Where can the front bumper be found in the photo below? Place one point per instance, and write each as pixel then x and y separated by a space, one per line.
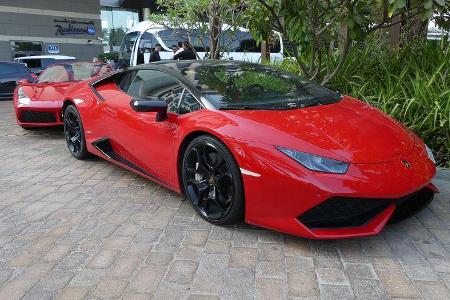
pixel 39 113
pixel 284 195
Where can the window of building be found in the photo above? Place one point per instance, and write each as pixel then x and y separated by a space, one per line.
pixel 115 23
pixel 25 48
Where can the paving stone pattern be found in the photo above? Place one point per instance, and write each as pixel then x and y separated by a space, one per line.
pixel 88 230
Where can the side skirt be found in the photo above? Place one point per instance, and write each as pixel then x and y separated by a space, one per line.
pixel 105 147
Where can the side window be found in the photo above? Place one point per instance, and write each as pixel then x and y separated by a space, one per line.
pixel 124 81
pixel 172 97
pixel 171 36
pixel 157 85
pixel 239 41
pixel 188 104
pixel 146 44
pixel 127 46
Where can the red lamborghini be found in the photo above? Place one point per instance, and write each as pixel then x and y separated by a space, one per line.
pixel 39 103
pixel 247 142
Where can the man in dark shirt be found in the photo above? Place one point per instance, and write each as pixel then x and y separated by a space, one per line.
pixel 186 54
pixel 154 56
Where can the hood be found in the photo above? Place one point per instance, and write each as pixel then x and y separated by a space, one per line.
pixel 349 128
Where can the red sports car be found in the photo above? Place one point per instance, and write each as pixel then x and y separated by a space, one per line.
pixel 39 103
pixel 247 142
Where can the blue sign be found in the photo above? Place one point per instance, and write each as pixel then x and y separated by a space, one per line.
pixel 91 30
pixel 53 49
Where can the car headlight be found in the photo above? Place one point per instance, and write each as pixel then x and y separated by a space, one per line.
pixel 22 97
pixel 315 162
pixel 430 154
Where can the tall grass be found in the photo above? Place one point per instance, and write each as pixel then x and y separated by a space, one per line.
pixel 411 84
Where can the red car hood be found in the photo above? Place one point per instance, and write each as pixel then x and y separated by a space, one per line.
pixel 350 129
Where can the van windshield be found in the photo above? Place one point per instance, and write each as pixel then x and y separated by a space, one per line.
pixel 127 46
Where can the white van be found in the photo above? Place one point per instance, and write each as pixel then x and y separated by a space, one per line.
pixel 138 41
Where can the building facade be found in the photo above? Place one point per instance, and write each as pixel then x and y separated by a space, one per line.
pixel 41 27
pixel 80 28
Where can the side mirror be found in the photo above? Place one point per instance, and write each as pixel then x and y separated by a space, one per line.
pixel 150 105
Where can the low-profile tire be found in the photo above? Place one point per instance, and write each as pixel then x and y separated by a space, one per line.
pixel 212 181
pixel 74 133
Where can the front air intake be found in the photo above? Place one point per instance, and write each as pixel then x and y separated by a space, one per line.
pixel 29 116
pixel 343 212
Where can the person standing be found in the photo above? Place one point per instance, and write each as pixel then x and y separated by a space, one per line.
pixel 174 49
pixel 154 56
pixel 179 48
pixel 186 54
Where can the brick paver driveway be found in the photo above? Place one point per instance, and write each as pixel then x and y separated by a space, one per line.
pixel 87 229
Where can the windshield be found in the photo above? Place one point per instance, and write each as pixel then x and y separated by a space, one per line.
pixel 252 86
pixel 127 46
pixel 72 72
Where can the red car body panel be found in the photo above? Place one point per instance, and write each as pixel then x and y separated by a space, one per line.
pixel 277 189
pixel 45 97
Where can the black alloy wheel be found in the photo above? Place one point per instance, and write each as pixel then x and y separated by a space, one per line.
pixel 212 181
pixel 74 133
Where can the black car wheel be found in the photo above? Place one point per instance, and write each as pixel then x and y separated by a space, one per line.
pixel 212 181
pixel 74 133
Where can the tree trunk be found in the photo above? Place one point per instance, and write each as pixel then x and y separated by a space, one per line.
pixel 415 30
pixel 394 40
pixel 265 51
pixel 214 29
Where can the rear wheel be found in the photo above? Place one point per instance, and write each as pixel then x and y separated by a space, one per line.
pixel 74 133
pixel 212 181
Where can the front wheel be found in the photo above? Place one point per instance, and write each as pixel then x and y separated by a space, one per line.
pixel 74 133
pixel 212 181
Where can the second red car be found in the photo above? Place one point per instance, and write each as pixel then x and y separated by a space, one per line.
pixel 39 103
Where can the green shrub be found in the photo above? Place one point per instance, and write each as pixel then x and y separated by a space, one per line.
pixel 411 84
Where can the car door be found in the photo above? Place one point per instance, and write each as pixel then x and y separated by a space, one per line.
pixel 137 136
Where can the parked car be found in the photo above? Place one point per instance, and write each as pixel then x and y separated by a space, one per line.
pixel 10 74
pixel 38 63
pixel 248 142
pixel 39 104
